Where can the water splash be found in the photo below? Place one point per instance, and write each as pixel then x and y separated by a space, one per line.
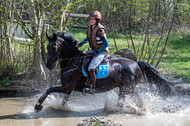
pixel 77 102
pixel 171 111
pixel 153 102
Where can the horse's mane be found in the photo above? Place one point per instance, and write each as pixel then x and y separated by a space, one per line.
pixel 68 37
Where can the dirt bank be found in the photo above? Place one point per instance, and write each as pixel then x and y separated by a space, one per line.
pixel 20 88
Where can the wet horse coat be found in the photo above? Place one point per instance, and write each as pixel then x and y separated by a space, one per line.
pixel 123 73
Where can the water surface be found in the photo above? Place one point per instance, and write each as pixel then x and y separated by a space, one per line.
pixel 18 111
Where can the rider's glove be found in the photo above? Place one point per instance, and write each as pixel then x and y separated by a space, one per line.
pixel 80 44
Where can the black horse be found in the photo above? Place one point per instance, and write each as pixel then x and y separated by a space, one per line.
pixel 123 73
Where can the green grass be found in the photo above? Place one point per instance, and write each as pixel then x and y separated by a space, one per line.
pixel 177 58
pixel 175 61
pixel 80 35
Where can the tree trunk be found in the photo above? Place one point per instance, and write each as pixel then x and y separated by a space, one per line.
pixel 169 31
pixel 38 64
pixel 10 51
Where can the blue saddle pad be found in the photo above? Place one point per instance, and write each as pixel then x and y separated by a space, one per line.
pixel 103 70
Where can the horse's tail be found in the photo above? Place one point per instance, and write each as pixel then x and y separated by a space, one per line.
pixel 152 76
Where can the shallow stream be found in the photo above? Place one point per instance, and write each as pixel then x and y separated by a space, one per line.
pixel 18 111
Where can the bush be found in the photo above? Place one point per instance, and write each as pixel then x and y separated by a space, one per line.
pixel 5 81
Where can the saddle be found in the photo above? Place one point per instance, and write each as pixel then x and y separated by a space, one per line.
pixel 102 71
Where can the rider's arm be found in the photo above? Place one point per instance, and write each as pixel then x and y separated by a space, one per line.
pixel 105 44
pixel 85 40
pixel 102 35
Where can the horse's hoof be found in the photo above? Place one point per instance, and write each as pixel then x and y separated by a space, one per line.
pixel 38 108
pixel 120 104
pixel 141 111
pixel 63 103
pixel 89 90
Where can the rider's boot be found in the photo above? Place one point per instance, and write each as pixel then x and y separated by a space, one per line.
pixel 91 89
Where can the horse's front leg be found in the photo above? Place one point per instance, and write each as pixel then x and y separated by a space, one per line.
pixel 65 99
pixel 60 89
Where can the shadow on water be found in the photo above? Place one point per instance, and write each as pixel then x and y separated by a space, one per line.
pixel 52 113
pixel 14 93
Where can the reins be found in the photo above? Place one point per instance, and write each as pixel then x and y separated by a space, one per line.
pixel 74 57
pixel 76 66
pixel 60 41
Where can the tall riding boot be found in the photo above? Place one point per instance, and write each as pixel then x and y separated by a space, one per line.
pixel 92 75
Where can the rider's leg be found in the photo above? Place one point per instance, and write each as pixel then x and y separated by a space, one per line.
pixel 92 75
pixel 96 60
pixel 92 84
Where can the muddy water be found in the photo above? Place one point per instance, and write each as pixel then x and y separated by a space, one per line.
pixel 174 111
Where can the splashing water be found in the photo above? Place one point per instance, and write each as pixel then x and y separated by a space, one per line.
pixel 153 103
pixel 77 102
pixel 171 111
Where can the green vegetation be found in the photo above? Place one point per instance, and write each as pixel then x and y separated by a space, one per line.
pixel 175 61
pixel 5 81
pixel 80 35
pixel 96 123
pixel 145 27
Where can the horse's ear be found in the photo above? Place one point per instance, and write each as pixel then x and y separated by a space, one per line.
pixel 54 36
pixel 47 35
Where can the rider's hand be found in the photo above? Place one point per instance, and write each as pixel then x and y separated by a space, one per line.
pixel 80 44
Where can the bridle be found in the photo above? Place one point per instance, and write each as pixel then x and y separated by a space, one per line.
pixel 59 42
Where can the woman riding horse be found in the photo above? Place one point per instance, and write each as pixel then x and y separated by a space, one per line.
pixel 96 36
pixel 123 73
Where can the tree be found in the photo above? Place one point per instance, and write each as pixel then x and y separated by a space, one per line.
pixel 7 54
pixel 39 13
pixel 150 20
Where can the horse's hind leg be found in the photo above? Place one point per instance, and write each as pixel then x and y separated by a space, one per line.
pixel 134 103
pixel 60 89
pixel 138 103
pixel 122 94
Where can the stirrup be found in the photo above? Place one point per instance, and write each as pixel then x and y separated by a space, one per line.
pixel 90 90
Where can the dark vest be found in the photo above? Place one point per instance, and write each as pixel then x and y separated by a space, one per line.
pixel 92 38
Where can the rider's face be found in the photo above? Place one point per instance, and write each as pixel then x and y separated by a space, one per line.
pixel 92 21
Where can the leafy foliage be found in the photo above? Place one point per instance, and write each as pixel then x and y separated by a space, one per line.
pixel 144 26
pixel 5 81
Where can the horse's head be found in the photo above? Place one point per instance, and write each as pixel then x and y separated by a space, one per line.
pixel 54 50
pixel 62 45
